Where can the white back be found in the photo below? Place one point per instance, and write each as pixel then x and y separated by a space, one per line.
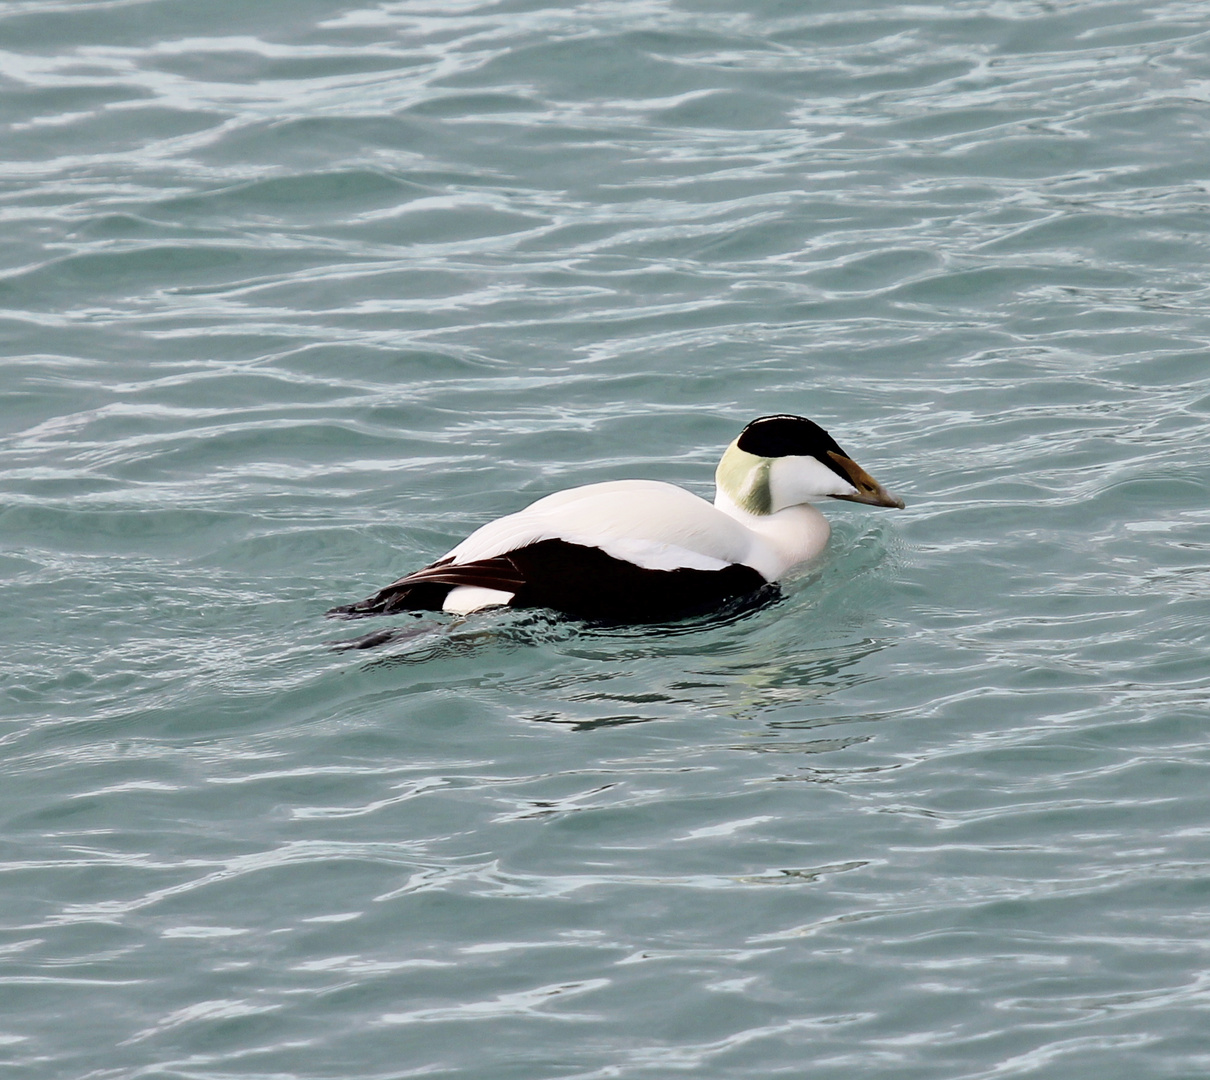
pixel 652 524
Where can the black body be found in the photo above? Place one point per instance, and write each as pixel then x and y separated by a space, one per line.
pixel 577 580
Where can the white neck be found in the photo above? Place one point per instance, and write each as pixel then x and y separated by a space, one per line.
pixel 781 540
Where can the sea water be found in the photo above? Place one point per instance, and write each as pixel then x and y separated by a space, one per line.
pixel 293 296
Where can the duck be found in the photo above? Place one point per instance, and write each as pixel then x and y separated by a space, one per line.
pixel 645 551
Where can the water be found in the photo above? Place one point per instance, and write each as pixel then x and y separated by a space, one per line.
pixel 294 296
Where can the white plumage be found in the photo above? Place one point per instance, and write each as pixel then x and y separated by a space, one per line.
pixel 656 525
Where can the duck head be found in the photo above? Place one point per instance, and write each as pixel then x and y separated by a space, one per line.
pixel 781 461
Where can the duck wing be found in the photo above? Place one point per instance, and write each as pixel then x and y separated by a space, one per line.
pixel 426 589
pixel 623 550
pixel 575 579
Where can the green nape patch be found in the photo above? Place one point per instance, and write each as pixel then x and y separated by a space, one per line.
pixel 745 479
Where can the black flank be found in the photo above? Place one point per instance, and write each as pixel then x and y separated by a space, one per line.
pixel 580 581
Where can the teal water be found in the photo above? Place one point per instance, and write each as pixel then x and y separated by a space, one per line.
pixel 294 296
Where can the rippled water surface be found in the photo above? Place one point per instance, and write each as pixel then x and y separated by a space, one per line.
pixel 295 295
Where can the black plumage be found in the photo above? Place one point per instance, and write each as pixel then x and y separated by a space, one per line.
pixel 791 436
pixel 577 580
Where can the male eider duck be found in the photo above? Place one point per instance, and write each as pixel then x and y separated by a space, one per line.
pixel 646 551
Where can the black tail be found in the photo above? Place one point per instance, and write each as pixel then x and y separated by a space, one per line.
pixel 401 596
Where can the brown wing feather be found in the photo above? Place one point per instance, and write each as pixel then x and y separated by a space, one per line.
pixel 426 589
pixel 498 573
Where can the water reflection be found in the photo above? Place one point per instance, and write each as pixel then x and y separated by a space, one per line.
pixel 736 679
pixel 776 656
